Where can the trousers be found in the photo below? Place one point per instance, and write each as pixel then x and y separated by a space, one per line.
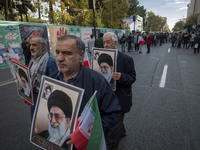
pixel 116 134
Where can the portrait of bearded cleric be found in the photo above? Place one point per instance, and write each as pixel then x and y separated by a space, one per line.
pixel 56 114
pixel 105 64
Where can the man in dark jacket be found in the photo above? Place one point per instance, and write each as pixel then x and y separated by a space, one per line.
pixel 26 51
pixel 99 42
pixel 125 77
pixel 69 57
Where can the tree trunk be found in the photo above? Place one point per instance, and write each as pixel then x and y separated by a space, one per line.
pixel 11 11
pixel 39 14
pixel 21 16
pixel 51 12
pixel 27 17
pixel 6 10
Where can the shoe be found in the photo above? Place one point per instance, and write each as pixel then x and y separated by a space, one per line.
pixel 140 52
pixel 147 52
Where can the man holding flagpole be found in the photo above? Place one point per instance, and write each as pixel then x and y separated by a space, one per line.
pixel 69 56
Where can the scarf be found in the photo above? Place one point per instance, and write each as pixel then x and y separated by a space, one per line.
pixel 39 71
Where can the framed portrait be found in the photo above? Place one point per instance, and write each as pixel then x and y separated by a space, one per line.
pixel 55 114
pixel 104 61
pixel 24 88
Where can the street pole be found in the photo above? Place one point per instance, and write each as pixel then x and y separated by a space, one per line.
pixel 94 19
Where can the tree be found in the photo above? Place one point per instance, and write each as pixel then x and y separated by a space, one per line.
pixel 133 7
pixel 179 26
pixel 24 7
pixel 7 5
pixel 113 12
pixel 192 20
pixel 155 22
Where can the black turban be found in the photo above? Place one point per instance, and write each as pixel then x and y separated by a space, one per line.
pixel 105 58
pixel 22 74
pixel 48 87
pixel 62 100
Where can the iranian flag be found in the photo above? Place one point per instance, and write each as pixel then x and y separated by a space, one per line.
pixel 86 60
pixel 89 131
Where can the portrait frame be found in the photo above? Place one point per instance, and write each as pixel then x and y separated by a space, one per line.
pixel 21 93
pixel 96 52
pixel 41 121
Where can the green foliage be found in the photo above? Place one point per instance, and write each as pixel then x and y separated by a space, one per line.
pixel 155 22
pixel 179 26
pixel 108 13
pixel 113 12
pixel 192 20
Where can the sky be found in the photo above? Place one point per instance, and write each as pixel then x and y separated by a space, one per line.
pixel 174 10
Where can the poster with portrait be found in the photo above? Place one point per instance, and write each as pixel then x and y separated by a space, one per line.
pixel 104 61
pixel 55 114
pixel 24 88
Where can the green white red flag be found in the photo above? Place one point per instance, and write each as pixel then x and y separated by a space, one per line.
pixel 89 133
pixel 86 60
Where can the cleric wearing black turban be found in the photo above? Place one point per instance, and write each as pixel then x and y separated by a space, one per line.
pixel 60 112
pixel 105 62
pixel 24 86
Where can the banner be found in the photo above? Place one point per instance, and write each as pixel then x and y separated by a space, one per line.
pixel 27 31
pixel 55 32
pixel 10 35
pixel 85 35
pixel 75 30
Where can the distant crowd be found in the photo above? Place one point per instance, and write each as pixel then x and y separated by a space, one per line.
pixel 186 40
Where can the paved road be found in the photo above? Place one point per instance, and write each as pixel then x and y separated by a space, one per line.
pixel 161 118
pixel 165 118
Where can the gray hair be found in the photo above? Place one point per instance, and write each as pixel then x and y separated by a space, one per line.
pixel 113 35
pixel 42 40
pixel 79 43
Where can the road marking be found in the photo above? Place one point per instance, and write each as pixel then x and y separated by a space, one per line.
pixel 163 78
pixel 6 82
pixel 169 50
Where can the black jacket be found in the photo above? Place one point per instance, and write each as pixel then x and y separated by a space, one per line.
pixel 125 65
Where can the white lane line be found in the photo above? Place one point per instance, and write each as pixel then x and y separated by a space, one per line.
pixel 163 78
pixel 169 50
pixel 7 83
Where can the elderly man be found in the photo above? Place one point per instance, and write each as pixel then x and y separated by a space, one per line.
pixel 24 87
pixel 69 56
pixel 47 92
pixel 40 64
pixel 60 111
pixel 125 77
pixel 106 65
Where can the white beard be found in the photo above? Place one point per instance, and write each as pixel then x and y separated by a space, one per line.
pixel 107 75
pixel 47 95
pixel 26 90
pixel 56 134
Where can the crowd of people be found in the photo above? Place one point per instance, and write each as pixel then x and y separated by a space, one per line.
pixel 135 41
pixel 68 67
pixel 186 40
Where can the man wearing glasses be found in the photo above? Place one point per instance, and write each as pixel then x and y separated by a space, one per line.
pixel 60 112
pixel 106 66
pixel 24 85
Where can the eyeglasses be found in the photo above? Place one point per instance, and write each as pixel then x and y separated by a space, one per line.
pixel 103 67
pixel 56 116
